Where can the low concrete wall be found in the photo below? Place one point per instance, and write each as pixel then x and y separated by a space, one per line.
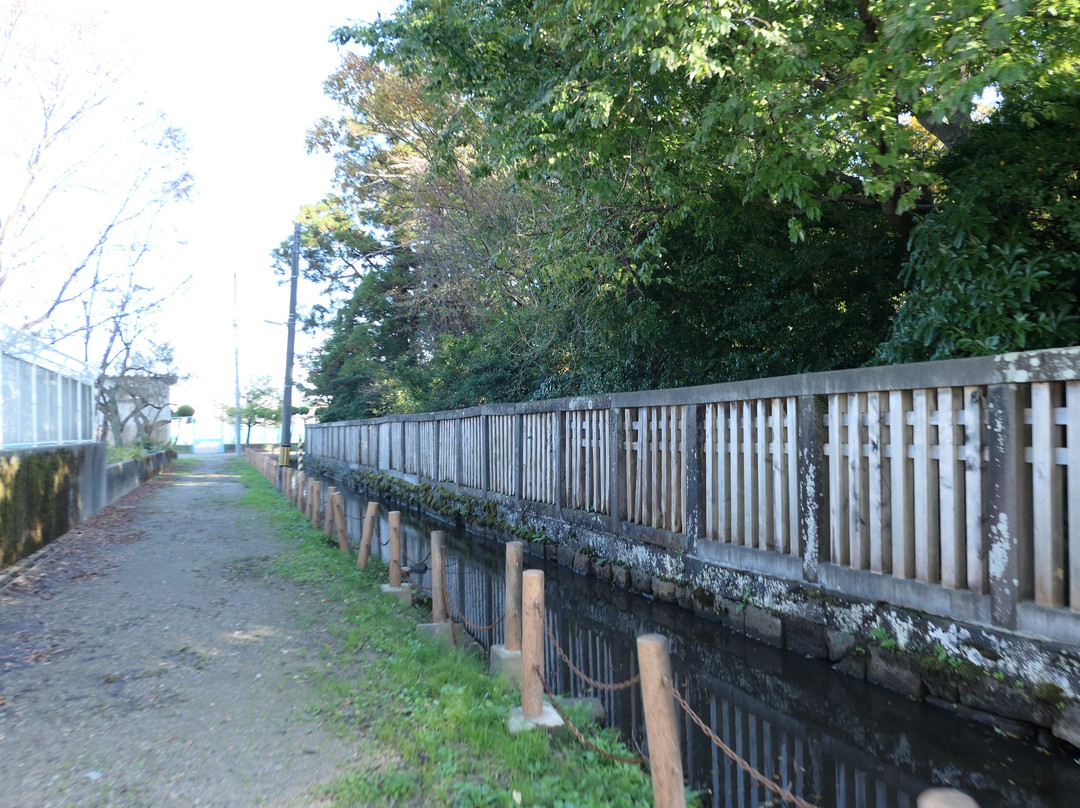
pixel 123 478
pixel 44 492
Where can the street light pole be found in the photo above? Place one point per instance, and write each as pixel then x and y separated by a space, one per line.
pixel 286 407
pixel 236 345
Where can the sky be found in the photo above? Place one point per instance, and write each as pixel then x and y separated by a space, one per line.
pixel 244 82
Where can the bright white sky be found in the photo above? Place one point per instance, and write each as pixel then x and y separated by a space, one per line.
pixel 244 82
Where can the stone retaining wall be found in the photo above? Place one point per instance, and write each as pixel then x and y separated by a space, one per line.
pixel 1025 686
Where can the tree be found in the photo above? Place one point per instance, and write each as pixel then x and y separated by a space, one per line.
pixel 646 117
pixel 994 267
pixel 467 283
pixel 412 247
pixel 134 402
pixel 261 406
pixel 799 103
pixel 90 174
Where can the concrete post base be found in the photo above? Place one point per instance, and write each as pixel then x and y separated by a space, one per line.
pixel 441 633
pixel 548 719
pixel 402 593
pixel 508 663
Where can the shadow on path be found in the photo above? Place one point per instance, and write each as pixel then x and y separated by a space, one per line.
pixel 154 659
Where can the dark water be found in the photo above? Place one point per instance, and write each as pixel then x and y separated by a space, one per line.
pixel 831 739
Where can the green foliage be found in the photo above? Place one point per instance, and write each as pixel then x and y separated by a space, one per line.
pixel 546 199
pixel 940 661
pixel 1048 693
pixel 118 454
pixel 261 404
pixel 994 268
pixel 437 719
pixel 184 411
pixel 884 639
pixel 35 491
pixel 800 103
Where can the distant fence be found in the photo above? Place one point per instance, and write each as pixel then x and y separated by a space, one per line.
pixel 46 398
pixel 943 486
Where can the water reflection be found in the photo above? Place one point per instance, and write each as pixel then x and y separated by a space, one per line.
pixel 830 739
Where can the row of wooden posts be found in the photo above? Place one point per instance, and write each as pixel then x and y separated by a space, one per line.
pixel 524 632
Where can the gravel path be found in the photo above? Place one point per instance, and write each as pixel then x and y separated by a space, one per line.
pixel 155 660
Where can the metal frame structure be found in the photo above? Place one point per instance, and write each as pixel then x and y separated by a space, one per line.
pixel 46 397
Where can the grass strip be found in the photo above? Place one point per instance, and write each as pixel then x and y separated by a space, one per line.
pixel 437 711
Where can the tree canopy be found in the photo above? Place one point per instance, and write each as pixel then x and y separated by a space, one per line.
pixel 540 199
pixel 261 405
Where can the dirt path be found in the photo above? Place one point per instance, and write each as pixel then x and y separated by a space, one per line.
pixel 154 660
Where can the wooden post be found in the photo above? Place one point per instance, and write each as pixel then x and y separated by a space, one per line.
pixel 395 548
pixel 336 508
pixel 315 503
pixel 944 798
pixel 370 519
pixel 459 452
pixel 438 577
pixel 1009 518
pixel 518 469
pixel 665 761
pixel 514 554
pixel 813 476
pixel 693 436
pixel 532 644
pixel 331 516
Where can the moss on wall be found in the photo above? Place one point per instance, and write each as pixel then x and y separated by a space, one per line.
pixel 36 494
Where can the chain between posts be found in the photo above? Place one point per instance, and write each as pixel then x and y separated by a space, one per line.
pixel 451 603
pixel 405 552
pixel 634 761
pixel 581 674
pixel 777 789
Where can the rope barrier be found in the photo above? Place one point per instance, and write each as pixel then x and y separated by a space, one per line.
pixel 777 789
pixel 634 761
pixel 581 674
pixel 405 553
pixel 464 619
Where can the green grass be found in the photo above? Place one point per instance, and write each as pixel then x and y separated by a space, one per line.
pixel 434 719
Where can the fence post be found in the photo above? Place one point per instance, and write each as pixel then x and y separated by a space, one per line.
pixel 394 518
pixel 1009 513
pixel 459 454
pixel 370 519
pixel 439 629
pixel 518 471
pixel 336 507
pixel 329 523
pixel 616 469
pixel 485 454
pixel 944 798
pixel 810 441
pixel 693 430
pixel 438 577
pixel 665 761
pixel 315 503
pixel 401 591
pixel 560 460
pixel 436 453
pixel 506 658
pixel 514 554
pixel 532 644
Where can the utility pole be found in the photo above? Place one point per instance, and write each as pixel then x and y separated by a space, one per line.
pixel 284 458
pixel 236 344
